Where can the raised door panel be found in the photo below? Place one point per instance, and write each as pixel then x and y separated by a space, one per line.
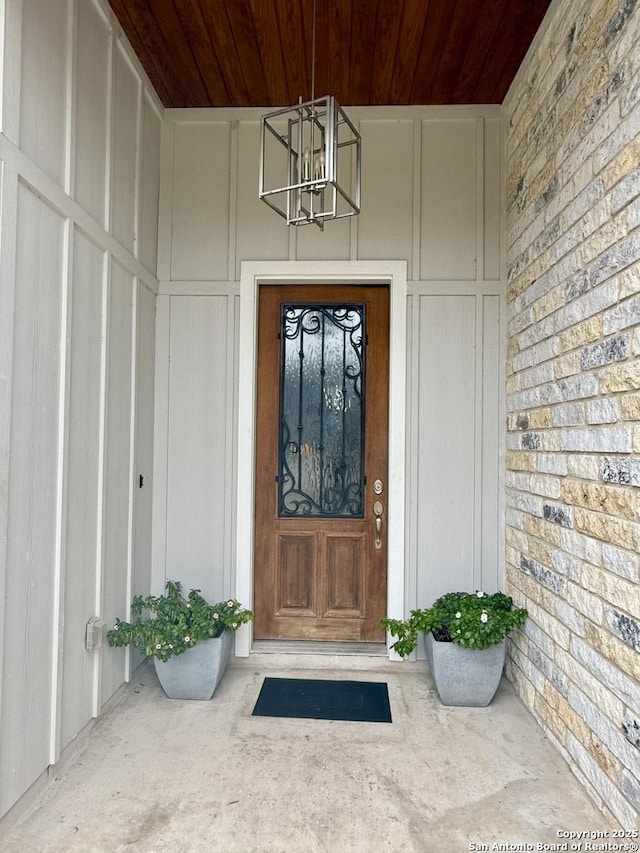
pixel 345 568
pixel 296 574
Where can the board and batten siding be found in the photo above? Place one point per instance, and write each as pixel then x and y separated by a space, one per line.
pixel 431 197
pixel 80 174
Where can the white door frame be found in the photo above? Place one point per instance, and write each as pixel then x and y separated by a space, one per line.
pixel 252 275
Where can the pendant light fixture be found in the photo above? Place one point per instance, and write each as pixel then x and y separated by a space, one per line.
pixel 307 155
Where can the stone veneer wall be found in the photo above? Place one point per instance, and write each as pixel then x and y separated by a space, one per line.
pixel 573 391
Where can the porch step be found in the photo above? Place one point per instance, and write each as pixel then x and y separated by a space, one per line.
pixel 289 654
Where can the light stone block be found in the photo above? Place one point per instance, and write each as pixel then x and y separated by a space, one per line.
pixel 620 377
pixel 602 440
pixel 600 498
pixel 602 412
pixel 586 602
pixel 625 314
pixel 622 563
pixel 611 588
pixel 552 463
pixel 585 467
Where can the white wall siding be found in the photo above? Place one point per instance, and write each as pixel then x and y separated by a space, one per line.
pixel 201 202
pixel 197 497
pixel 149 185
pixel 82 477
pixel 78 245
pixel 126 101
pixel 387 213
pixel 118 474
pixel 32 542
pixel 431 189
pixel 260 235
pixel 449 190
pixel 45 54
pixel 91 110
pixel 445 448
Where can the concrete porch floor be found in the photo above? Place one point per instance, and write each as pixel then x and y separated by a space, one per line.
pixel 156 775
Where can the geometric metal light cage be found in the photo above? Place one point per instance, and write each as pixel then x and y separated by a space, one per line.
pixel 309 160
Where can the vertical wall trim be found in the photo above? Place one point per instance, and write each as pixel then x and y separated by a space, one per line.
pixel 110 96
pixel 56 651
pixel 70 137
pixel 233 199
pixel 478 437
pixel 11 68
pixel 137 193
pixel 480 131
pixel 231 396
pixel 413 446
pixel 132 455
pixel 416 272
pixel 165 199
pixel 353 221
pixel 161 444
pixel 102 444
pixel 8 231
pixel 502 358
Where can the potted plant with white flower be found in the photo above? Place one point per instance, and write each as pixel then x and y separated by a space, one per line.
pixel 189 639
pixel 465 639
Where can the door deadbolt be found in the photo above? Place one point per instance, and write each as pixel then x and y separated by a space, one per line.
pixel 378 487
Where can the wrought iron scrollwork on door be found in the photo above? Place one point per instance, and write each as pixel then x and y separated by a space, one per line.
pixel 322 382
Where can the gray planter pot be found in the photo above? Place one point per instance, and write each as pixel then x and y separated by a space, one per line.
pixel 467 677
pixel 195 674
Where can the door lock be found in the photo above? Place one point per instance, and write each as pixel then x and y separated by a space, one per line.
pixel 378 509
pixel 378 487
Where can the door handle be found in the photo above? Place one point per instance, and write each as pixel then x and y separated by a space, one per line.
pixel 377 512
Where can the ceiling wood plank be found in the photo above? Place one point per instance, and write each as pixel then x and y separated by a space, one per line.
pixel 197 31
pixel 434 37
pixel 258 52
pixel 324 80
pixel 508 48
pixel 386 46
pixel 479 49
pixel 177 48
pixel 455 43
pixel 414 19
pixel 247 37
pixel 144 37
pixel 229 58
pixel 296 51
pixel 363 49
pixel 339 44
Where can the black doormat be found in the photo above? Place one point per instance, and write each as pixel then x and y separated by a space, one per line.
pixel 319 699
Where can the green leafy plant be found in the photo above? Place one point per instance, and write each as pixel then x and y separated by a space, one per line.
pixel 474 620
pixel 169 624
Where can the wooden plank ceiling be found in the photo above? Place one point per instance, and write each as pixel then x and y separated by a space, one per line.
pixel 219 53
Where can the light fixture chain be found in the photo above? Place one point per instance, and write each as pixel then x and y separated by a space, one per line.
pixel 313 54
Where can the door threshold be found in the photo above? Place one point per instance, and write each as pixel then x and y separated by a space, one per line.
pixel 318 647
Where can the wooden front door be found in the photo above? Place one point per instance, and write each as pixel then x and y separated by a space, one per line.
pixel 320 564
